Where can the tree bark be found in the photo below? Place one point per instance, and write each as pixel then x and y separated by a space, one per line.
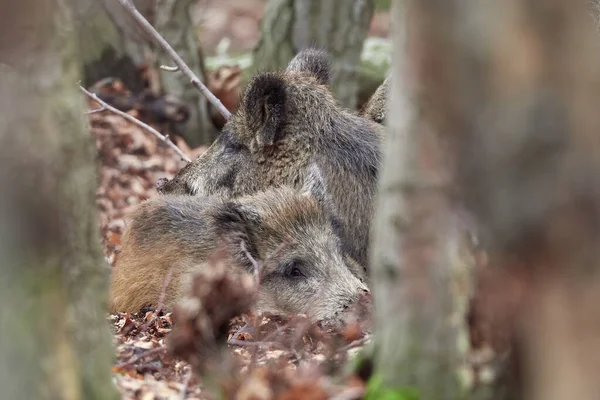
pixel 110 43
pixel 113 45
pixel 418 271
pixel 54 340
pixel 340 27
pixel 174 22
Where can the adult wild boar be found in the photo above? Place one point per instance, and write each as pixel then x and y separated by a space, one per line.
pixel 308 275
pixel 287 121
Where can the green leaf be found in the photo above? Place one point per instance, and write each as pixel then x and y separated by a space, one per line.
pixel 377 391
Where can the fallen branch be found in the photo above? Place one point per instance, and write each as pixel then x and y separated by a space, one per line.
pixel 160 136
pixel 181 65
pixel 247 343
pixel 137 358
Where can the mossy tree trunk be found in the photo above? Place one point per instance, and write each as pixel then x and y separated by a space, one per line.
pixel 419 275
pixel 340 26
pixel 54 338
pixel 113 45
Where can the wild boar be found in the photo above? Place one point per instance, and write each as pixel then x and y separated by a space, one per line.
pixel 376 108
pixel 286 122
pixel 309 274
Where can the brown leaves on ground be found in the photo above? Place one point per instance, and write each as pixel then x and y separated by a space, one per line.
pixel 203 316
pixel 131 161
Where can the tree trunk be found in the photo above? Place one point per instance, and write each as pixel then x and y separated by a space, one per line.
pixel 54 340
pixel 491 97
pixel 174 22
pixel 339 26
pixel 113 45
pixel 110 43
pixel 418 272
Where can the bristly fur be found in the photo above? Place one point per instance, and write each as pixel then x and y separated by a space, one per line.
pixel 180 233
pixel 288 121
pixel 376 107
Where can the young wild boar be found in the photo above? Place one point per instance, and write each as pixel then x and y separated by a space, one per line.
pixel 376 107
pixel 308 275
pixel 287 121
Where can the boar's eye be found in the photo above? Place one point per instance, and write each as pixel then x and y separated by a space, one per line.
pixel 294 269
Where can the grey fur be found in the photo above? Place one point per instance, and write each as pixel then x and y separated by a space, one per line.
pixel 308 128
pixel 376 108
pixel 184 231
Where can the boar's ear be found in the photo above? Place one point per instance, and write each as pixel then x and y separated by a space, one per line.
pixel 237 223
pixel 313 61
pixel 264 106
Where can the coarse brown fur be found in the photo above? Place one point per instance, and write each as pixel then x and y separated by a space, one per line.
pixel 287 121
pixel 376 107
pixel 309 274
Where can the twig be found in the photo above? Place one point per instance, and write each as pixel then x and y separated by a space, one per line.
pixel 139 357
pixel 356 343
pixel 170 69
pixel 97 110
pixel 160 136
pixel 163 292
pixel 242 343
pixel 257 269
pixel 186 382
pixel 150 31
pixel 161 299
pixel 349 394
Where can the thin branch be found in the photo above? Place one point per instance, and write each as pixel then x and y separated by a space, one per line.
pixel 160 136
pixel 150 31
pixel 97 110
pixel 247 343
pixel 356 343
pixel 161 299
pixel 135 359
pixel 186 382
pixel 252 260
pixel 170 69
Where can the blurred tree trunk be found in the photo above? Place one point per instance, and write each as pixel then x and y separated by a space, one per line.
pixel 113 45
pixel 490 101
pixel 529 166
pixel 339 26
pixel 54 338
pixel 419 275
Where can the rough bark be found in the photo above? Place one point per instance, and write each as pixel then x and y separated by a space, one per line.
pixel 418 273
pixel 173 21
pixel 340 27
pixel 113 45
pixel 54 339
